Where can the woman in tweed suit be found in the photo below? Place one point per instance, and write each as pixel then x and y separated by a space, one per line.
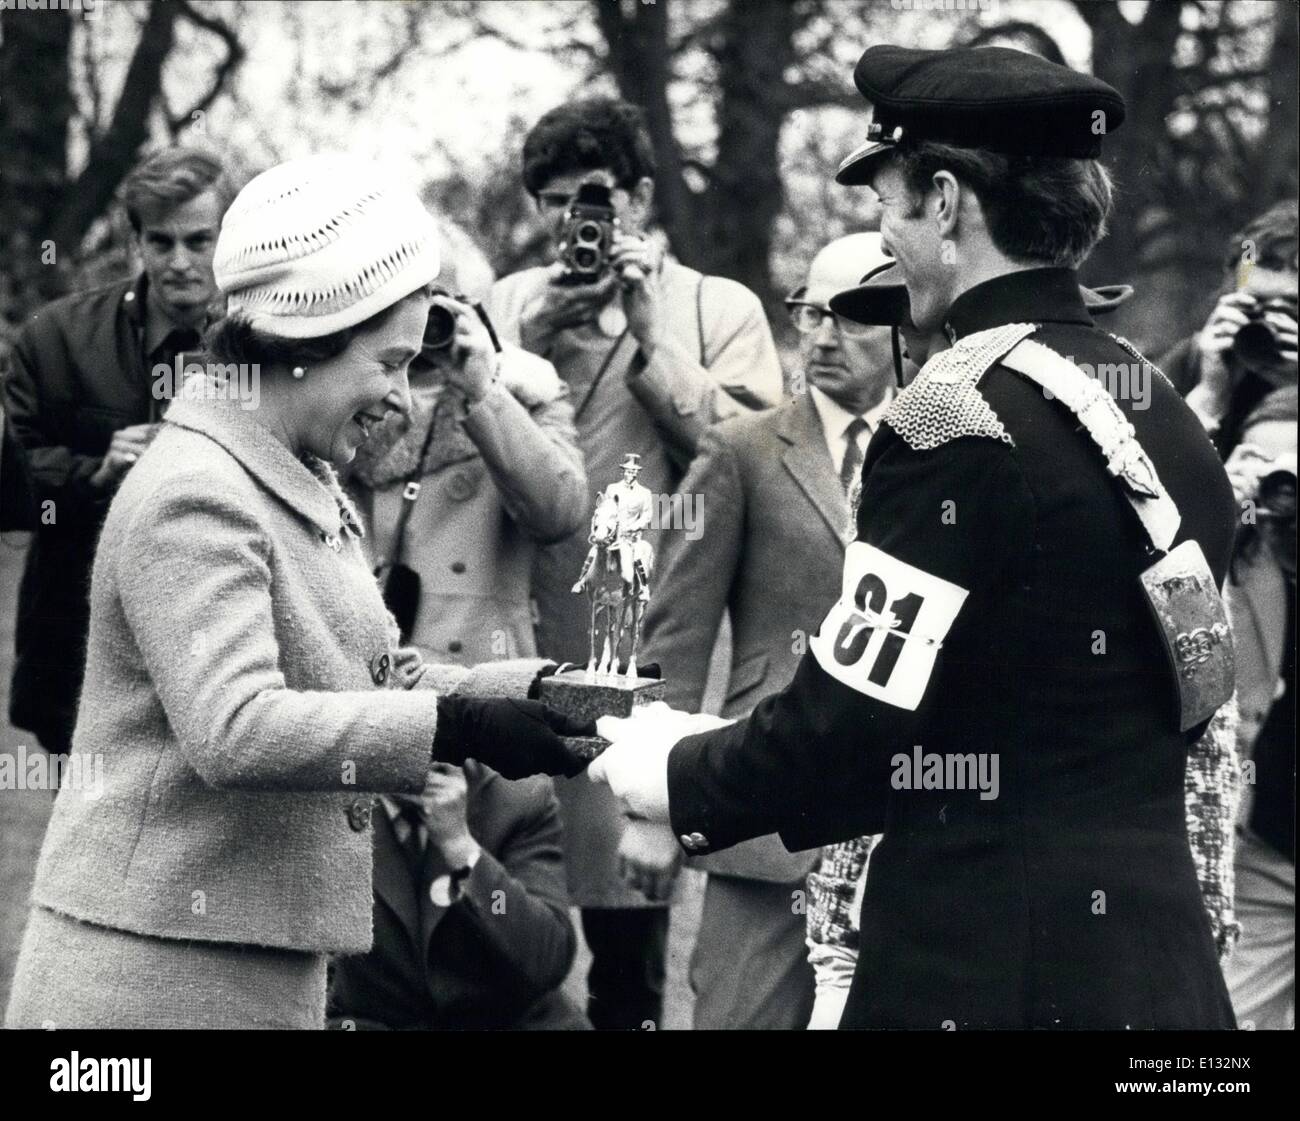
pixel 244 686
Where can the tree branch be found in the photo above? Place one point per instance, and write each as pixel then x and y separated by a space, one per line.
pixel 114 151
pixel 413 40
pixel 235 55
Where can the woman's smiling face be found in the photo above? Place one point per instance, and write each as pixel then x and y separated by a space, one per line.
pixel 341 399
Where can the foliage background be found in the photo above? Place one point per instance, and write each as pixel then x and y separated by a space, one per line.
pixel 751 106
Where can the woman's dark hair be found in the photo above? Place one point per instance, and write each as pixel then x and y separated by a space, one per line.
pixel 1049 209
pixel 597 133
pixel 233 339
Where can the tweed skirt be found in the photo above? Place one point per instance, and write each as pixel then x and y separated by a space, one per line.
pixel 72 974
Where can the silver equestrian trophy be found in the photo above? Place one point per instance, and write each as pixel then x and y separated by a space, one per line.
pixel 616 577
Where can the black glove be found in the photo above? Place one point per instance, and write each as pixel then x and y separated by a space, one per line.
pixel 514 738
pixel 535 689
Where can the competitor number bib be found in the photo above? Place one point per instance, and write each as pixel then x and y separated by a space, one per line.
pixel 883 634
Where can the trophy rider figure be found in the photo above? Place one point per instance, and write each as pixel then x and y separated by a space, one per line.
pixel 635 505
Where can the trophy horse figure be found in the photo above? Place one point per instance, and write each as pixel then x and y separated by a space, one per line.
pixel 617 570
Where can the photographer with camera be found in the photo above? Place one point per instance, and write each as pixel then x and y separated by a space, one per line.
pixel 1247 347
pixel 459 494
pixel 653 353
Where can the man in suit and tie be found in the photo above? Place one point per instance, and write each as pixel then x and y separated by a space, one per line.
pixel 774 488
pixel 471 918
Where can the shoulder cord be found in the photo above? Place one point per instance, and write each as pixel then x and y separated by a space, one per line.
pixel 410 492
pixel 609 356
pixel 1110 430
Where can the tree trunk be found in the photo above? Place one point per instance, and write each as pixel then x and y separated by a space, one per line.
pixel 727 227
pixel 1138 62
pixel 113 154
pixel 1278 155
pixel 640 60
pixel 35 111
pixel 738 211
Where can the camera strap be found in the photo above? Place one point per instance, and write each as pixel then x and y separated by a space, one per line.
pixel 600 374
pixel 410 493
pixel 1179 587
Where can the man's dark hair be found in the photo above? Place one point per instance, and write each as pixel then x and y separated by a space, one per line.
pixel 1038 208
pixel 598 133
pixel 171 177
pixel 1273 238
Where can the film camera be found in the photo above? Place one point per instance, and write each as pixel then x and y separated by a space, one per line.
pixel 440 327
pixel 587 236
pixel 1255 345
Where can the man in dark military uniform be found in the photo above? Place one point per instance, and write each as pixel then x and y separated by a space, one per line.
pixel 992 692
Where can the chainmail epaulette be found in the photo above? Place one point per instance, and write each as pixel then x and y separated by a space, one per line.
pixel 942 403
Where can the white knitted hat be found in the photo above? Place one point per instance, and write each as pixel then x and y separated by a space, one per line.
pixel 318 244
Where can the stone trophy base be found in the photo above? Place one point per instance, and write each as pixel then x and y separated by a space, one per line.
pixel 588 698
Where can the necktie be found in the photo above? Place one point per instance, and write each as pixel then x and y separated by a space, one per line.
pixel 413 838
pixel 852 453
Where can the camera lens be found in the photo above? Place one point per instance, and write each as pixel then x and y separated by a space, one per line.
pixel 439 329
pixel 588 232
pixel 1256 345
pixel 585 258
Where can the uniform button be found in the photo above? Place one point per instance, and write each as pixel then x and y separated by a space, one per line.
pixel 462 486
pixel 458 567
pixel 359 815
pixel 379 667
pixel 455 646
pixel 693 841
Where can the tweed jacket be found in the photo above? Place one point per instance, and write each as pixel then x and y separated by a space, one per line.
pixel 244 690
pixel 775 523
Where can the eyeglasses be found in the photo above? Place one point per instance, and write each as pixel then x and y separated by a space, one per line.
pixel 807 318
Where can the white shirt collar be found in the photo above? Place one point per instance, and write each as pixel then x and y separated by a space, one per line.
pixel 835 418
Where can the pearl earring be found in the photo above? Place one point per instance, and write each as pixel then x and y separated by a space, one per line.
pixel 298 371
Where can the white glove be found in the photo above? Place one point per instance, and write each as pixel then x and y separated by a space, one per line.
pixel 635 765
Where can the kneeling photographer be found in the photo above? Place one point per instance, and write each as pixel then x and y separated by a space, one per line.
pixel 458 495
